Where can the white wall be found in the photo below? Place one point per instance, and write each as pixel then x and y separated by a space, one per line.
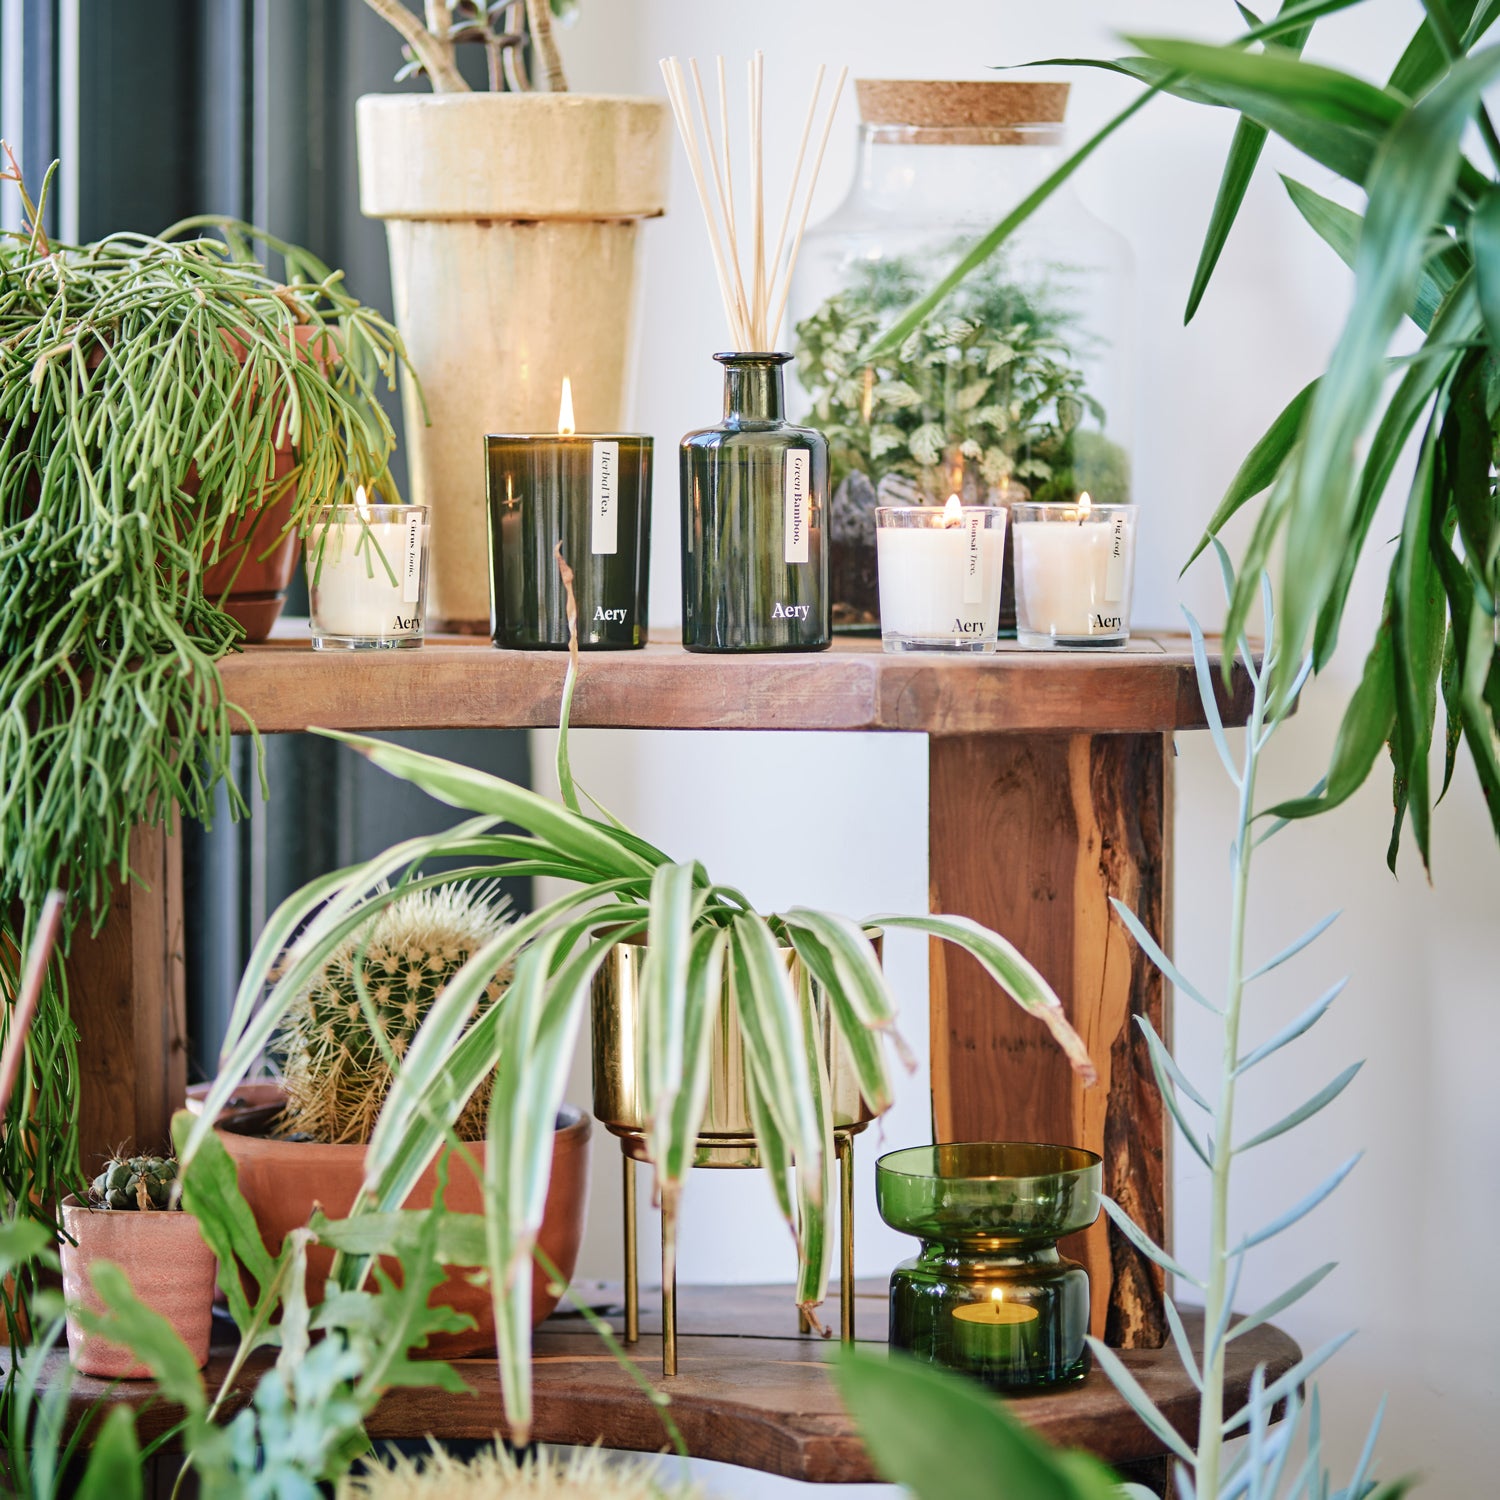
pixel 841 821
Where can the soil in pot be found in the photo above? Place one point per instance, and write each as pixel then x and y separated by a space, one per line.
pixel 283 1180
pixel 170 1269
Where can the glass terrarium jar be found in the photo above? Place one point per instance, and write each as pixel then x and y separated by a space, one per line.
pixel 988 1293
pixel 1018 386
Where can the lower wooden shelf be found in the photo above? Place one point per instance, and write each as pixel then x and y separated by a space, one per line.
pixel 752 1390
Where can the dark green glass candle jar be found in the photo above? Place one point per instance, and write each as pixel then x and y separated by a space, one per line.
pixel 754 492
pixel 592 494
pixel 988 1294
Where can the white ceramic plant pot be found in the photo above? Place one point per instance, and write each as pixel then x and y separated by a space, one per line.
pixel 513 223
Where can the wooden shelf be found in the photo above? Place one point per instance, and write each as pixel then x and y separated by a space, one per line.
pixel 751 1392
pixel 454 682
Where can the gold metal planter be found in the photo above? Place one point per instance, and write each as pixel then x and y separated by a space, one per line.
pixel 727 1137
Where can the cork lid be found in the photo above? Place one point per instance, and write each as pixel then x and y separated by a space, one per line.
pixel 992 108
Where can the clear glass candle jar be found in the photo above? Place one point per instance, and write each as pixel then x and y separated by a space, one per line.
pixel 1018 386
pixel 1075 573
pixel 940 572
pixel 367 577
pixel 988 1293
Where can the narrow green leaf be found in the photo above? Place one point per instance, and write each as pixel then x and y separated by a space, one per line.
pixel 1159 960
pixel 1300 1209
pixel 1179 1079
pixel 815 1209
pixel 706 1005
pixel 115 1464
pixel 460 1238
pixel 1140 1403
pixel 1281 1303
pixel 1325 1095
pixel 1183 1343
pixel 1292 949
pixel 1293 1380
pixel 1144 1243
pixel 1260 468
pixel 945 1438
pixel 1004 964
pixel 1293 1029
pixel 1239 168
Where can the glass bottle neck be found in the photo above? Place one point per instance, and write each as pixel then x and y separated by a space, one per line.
pixel 753 389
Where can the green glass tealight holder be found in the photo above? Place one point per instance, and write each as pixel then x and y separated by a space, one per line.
pixel 988 1294
pixel 754 495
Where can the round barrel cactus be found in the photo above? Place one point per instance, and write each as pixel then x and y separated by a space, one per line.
pixel 139 1182
pixel 335 1068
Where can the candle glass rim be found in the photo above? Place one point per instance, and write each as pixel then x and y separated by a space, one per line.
pixel 939 510
pixel 1071 1161
pixel 1071 510
pixel 568 437
pixel 371 513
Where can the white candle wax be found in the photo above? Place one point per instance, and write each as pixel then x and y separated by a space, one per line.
pixel 1074 574
pixel 940 583
pixel 355 593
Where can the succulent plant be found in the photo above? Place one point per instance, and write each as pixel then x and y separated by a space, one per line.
pixel 335 1068
pixel 138 1182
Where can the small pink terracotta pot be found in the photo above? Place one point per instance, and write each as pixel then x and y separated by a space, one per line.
pixel 169 1267
pixel 283 1181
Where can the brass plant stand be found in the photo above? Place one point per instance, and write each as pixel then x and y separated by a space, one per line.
pixel 726 1138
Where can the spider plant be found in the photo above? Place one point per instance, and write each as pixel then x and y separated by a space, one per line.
pixel 623 888
pixel 128 366
pixel 944 1438
pixel 1426 154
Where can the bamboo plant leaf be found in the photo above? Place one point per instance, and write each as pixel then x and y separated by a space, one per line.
pixel 1239 167
pixel 705 1007
pixel 814 1210
pixel 1004 964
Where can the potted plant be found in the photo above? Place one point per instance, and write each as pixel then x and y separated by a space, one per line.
pixel 338 1048
pixel 159 398
pixel 624 888
pixel 513 221
pixel 133 1218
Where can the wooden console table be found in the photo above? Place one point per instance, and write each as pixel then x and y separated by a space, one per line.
pixel 1049 793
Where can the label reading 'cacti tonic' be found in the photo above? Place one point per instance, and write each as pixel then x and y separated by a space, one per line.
pixel 794 520
pixel 606 515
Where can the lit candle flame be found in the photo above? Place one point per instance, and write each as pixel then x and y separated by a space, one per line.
pixel 565 423
pixel 953 512
pixel 1085 505
pixel 998 1294
pixel 361 501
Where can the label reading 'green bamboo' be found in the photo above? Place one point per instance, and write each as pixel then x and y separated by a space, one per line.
pixel 794 521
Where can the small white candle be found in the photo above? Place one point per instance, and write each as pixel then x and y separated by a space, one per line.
pixel 1075 571
pixel 367 576
pixel 940 574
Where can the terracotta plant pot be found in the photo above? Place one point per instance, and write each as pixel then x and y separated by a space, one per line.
pixel 514 230
pixel 170 1269
pixel 283 1181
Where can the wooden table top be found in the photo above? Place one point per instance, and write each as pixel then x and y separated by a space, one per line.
pixel 751 1390
pixel 457 682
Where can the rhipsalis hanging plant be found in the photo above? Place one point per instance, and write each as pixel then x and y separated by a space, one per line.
pixel 1426 252
pixel 145 387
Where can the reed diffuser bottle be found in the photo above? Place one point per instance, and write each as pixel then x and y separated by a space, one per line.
pixel 754 488
pixel 754 493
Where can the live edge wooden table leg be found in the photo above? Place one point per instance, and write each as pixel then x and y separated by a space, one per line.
pixel 1032 835
pixel 127 994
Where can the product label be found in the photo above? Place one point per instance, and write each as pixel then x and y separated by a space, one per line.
pixel 407 624
pixel 606 501
pixel 794 521
pixel 973 577
pixel 1114 574
pixel 1103 624
pixel 604 616
pixel 967 627
pixel 411 567
pixel 782 611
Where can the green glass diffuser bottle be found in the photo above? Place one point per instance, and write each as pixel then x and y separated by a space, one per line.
pixel 988 1294
pixel 754 490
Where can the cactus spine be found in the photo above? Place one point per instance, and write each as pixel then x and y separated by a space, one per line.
pixel 335 1070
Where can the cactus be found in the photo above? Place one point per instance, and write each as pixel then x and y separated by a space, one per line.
pixel 139 1182
pixel 334 1068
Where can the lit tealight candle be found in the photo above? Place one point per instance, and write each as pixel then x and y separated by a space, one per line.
pixel 994 1336
pixel 940 574
pixel 367 576
pixel 1075 571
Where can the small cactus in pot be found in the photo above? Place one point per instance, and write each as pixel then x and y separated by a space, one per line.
pixel 336 1067
pixel 146 1183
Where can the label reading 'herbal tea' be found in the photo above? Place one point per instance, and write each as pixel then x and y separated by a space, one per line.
pixel 794 520
pixel 606 505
